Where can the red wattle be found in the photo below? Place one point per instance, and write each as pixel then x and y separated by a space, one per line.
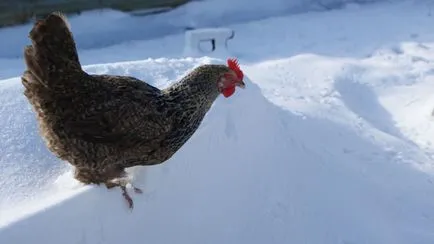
pixel 227 92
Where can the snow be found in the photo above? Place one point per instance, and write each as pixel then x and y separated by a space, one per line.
pixel 347 32
pixel 105 27
pixel 332 141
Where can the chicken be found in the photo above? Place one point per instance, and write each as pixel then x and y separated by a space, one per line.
pixel 102 124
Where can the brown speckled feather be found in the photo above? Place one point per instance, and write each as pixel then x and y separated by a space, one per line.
pixel 103 124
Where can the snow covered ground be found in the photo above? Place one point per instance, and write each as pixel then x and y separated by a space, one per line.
pixel 332 141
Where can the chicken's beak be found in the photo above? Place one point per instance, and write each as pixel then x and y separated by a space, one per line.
pixel 241 84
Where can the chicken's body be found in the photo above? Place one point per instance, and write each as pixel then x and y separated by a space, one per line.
pixel 102 124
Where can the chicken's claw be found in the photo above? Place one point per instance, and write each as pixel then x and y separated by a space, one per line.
pixel 137 190
pixel 122 183
pixel 127 197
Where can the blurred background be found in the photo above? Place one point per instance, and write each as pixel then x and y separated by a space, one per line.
pixel 14 12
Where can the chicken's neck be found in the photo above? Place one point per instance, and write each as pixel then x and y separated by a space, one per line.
pixel 193 92
pixel 189 101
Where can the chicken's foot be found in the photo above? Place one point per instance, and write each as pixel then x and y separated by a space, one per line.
pixel 122 183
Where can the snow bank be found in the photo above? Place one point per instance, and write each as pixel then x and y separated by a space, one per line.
pixel 101 28
pixel 331 33
pixel 254 172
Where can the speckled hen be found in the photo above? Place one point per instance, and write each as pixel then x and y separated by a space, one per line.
pixel 102 124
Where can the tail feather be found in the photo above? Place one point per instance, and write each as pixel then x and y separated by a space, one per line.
pixel 34 71
pixel 53 51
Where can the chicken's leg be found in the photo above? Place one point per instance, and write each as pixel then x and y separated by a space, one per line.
pixel 122 183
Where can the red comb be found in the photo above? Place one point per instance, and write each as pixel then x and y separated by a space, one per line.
pixel 233 65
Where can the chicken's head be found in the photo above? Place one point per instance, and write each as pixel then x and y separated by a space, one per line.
pixel 229 80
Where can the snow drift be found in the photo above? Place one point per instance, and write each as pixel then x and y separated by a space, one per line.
pixel 254 172
pixel 108 26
